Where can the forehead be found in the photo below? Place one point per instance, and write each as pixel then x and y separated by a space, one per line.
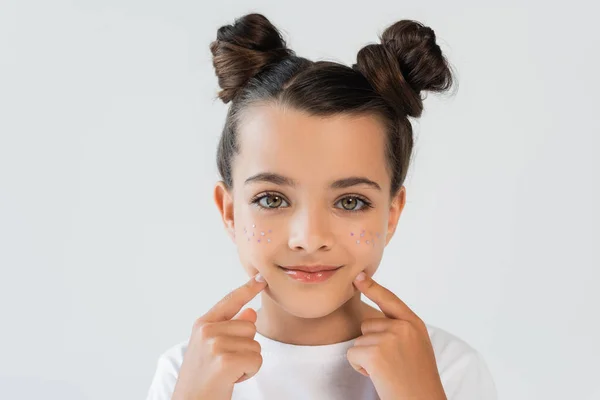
pixel 308 148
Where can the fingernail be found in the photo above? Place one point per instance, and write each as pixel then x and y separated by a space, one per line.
pixel 361 276
pixel 259 278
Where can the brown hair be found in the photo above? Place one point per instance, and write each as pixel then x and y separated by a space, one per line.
pixel 253 64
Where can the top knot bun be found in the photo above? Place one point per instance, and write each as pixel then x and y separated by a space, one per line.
pixel 407 61
pixel 243 49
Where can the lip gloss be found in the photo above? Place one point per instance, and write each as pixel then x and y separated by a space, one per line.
pixel 310 277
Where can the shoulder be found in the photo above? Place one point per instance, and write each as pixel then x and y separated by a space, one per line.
pixel 463 371
pixel 447 345
pixel 174 355
pixel 167 371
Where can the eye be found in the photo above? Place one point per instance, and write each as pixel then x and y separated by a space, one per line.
pixel 349 203
pixel 273 200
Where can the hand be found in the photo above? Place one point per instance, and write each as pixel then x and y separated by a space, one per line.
pixel 221 351
pixel 395 351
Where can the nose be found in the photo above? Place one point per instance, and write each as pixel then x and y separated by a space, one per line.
pixel 310 231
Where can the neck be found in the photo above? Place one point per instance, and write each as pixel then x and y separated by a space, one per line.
pixel 341 325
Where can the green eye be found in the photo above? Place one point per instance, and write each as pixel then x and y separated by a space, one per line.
pixel 272 201
pixel 350 203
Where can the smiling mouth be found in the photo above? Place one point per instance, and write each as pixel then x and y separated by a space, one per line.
pixel 312 268
pixel 320 274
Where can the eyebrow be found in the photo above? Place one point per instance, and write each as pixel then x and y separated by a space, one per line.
pixel 281 180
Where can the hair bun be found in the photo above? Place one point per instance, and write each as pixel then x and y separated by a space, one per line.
pixel 244 48
pixel 407 62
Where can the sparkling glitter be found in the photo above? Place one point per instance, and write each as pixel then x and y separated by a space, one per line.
pixel 367 242
pixel 258 240
pixel 362 234
pixel 358 241
pixel 351 233
pixel 262 233
pixel 254 226
pixel 269 240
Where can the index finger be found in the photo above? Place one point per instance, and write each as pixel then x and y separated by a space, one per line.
pixel 388 302
pixel 233 302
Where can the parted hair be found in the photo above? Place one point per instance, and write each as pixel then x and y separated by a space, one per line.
pixel 254 65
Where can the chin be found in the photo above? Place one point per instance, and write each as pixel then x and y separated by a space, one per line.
pixel 310 300
pixel 313 311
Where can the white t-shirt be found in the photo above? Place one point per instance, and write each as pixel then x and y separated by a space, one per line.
pixel 294 372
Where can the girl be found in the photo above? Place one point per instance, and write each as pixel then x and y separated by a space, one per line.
pixel 313 158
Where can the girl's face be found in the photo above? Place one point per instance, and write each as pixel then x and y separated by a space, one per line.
pixel 309 191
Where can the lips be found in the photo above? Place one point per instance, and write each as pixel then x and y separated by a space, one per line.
pixel 310 274
pixel 312 268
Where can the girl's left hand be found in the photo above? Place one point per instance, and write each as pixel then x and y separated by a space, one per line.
pixel 395 352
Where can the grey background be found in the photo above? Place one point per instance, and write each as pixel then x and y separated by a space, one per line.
pixel 111 246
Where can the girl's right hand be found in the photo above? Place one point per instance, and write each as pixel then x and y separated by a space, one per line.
pixel 221 351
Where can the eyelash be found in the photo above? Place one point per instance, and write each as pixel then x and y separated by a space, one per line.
pixel 256 201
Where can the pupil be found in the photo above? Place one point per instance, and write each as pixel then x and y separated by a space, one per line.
pixel 270 203
pixel 350 201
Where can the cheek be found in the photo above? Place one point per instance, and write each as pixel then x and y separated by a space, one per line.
pixel 254 234
pixel 367 247
pixel 258 242
pixel 359 240
pixel 365 240
pixel 255 243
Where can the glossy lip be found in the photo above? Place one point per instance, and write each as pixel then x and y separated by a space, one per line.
pixel 318 276
pixel 312 268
